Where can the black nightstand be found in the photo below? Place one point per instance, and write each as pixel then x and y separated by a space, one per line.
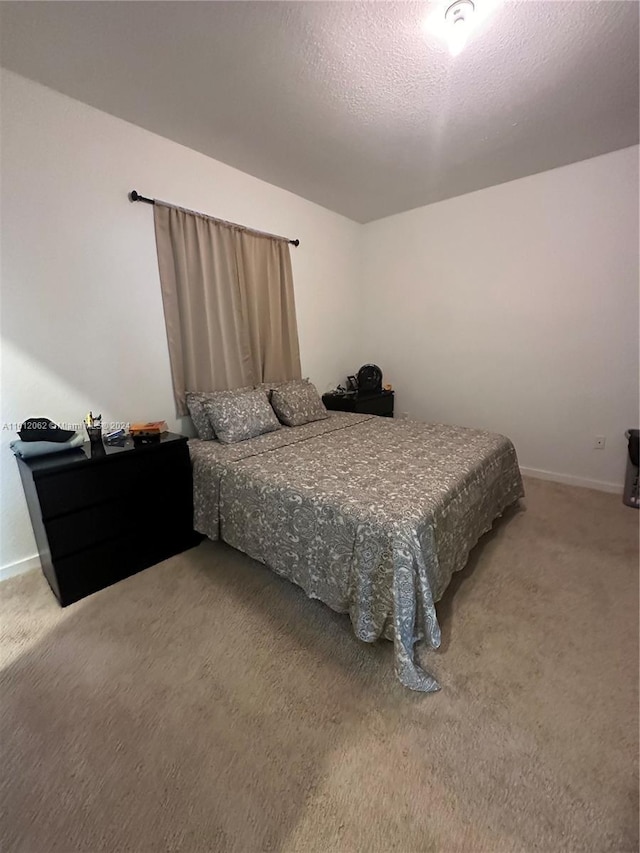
pixel 98 518
pixel 364 404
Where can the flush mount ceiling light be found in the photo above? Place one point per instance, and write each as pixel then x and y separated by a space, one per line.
pixel 454 22
pixel 459 21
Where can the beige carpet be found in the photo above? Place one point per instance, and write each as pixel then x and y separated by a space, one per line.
pixel 206 705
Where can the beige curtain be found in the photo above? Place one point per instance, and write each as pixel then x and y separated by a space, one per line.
pixel 228 304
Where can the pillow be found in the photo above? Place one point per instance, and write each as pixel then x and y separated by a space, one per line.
pixel 195 404
pixel 237 416
pixel 298 403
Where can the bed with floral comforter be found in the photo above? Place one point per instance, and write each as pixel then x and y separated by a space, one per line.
pixel 370 515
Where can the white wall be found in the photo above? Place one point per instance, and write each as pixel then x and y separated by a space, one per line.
pixel 515 309
pixel 82 324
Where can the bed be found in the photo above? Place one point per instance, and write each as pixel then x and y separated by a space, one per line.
pixel 370 515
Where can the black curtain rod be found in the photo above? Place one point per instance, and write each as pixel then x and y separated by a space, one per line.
pixel 135 196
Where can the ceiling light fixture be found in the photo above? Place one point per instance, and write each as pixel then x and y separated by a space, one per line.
pixel 459 23
pixel 454 22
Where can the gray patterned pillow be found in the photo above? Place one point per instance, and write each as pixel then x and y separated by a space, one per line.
pixel 195 405
pixel 237 416
pixel 298 403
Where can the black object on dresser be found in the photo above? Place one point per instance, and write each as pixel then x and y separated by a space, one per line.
pixel 102 515
pixel 380 403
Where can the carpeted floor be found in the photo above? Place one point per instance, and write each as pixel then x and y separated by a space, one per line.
pixel 207 705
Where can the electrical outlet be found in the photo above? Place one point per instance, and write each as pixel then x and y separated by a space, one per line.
pixel 599 442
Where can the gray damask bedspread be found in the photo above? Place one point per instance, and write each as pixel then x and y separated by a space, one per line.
pixel 370 515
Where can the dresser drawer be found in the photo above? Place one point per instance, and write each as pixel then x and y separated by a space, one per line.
pixel 87 571
pixel 381 405
pixel 134 477
pixel 362 404
pixel 167 509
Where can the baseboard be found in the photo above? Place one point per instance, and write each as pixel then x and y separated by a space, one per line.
pixel 570 480
pixel 20 567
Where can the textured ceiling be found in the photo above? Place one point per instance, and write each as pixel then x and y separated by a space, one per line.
pixel 351 104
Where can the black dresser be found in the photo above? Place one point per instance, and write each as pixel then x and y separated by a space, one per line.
pixel 379 403
pixel 101 516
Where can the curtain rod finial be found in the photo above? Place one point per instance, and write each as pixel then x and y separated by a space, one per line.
pixel 295 242
pixel 133 195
